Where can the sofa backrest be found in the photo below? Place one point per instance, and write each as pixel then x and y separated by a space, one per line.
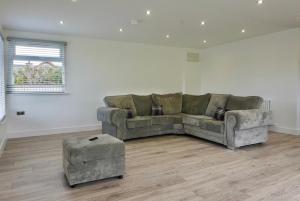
pixel 122 102
pixel 216 101
pixel 175 103
pixel 244 103
pixel 143 104
pixel 195 105
pixel 171 103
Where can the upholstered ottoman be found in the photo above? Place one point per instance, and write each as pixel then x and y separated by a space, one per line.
pixel 94 158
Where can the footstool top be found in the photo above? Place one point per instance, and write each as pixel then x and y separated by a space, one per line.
pixel 78 150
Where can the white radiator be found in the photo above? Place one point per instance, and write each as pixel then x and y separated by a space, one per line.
pixel 266 105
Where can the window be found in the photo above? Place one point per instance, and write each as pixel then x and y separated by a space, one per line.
pixel 36 66
pixel 2 85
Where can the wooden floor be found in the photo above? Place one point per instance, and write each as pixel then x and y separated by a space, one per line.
pixel 158 169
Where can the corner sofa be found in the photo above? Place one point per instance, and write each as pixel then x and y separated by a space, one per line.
pixel 130 116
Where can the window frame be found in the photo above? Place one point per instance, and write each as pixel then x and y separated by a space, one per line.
pixel 12 42
pixel 3 81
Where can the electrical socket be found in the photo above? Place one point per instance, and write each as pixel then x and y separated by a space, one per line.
pixel 20 113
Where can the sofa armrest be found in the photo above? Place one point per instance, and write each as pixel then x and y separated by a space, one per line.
pixel 114 116
pixel 246 119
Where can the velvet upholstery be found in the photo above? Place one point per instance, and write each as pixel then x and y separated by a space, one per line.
pixel 143 104
pixel 139 122
pixel 216 101
pixel 239 128
pixel 195 105
pixel 85 160
pixel 245 127
pixel 204 122
pixel 171 103
pixel 113 118
pixel 122 102
pixel 243 103
pixel 167 119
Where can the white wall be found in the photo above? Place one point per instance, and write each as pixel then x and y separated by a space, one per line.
pixel 267 66
pixel 95 68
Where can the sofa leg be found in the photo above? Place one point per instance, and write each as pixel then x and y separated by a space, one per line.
pixel 73 186
pixel 120 177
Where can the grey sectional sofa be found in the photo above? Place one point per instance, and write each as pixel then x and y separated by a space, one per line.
pixel 130 116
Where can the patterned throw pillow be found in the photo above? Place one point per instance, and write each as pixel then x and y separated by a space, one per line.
pixel 157 110
pixel 220 114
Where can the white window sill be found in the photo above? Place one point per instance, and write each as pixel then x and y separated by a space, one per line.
pixel 38 93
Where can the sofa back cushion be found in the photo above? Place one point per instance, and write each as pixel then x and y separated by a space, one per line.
pixel 216 101
pixel 195 105
pixel 171 103
pixel 122 102
pixel 244 103
pixel 143 105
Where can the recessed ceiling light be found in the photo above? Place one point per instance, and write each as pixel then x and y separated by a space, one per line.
pixel 74 1
pixel 243 31
pixel 259 2
pixel 202 22
pixel 167 36
pixel 121 29
pixel 61 22
pixel 204 41
pixel 148 12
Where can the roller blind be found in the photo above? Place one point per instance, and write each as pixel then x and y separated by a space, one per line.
pixel 36 66
pixel 2 85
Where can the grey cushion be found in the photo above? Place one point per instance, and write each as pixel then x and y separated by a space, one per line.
pixel 244 103
pixel 216 100
pixel 122 102
pixel 196 105
pixel 166 119
pixel 171 103
pixel 204 122
pixel 143 104
pixel 139 122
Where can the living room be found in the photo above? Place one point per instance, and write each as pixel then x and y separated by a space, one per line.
pixel 165 50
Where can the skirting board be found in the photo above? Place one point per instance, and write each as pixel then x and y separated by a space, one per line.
pixel 284 130
pixel 2 145
pixel 29 133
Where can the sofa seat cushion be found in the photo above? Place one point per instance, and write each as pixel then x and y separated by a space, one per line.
pixel 204 122
pixel 166 119
pixel 139 122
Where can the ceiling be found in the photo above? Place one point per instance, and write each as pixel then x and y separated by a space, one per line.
pixel 181 19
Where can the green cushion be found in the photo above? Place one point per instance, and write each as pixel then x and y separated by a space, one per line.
pixel 143 105
pixel 244 103
pixel 139 122
pixel 122 102
pixel 204 122
pixel 195 105
pixel 167 119
pixel 216 100
pixel 171 103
